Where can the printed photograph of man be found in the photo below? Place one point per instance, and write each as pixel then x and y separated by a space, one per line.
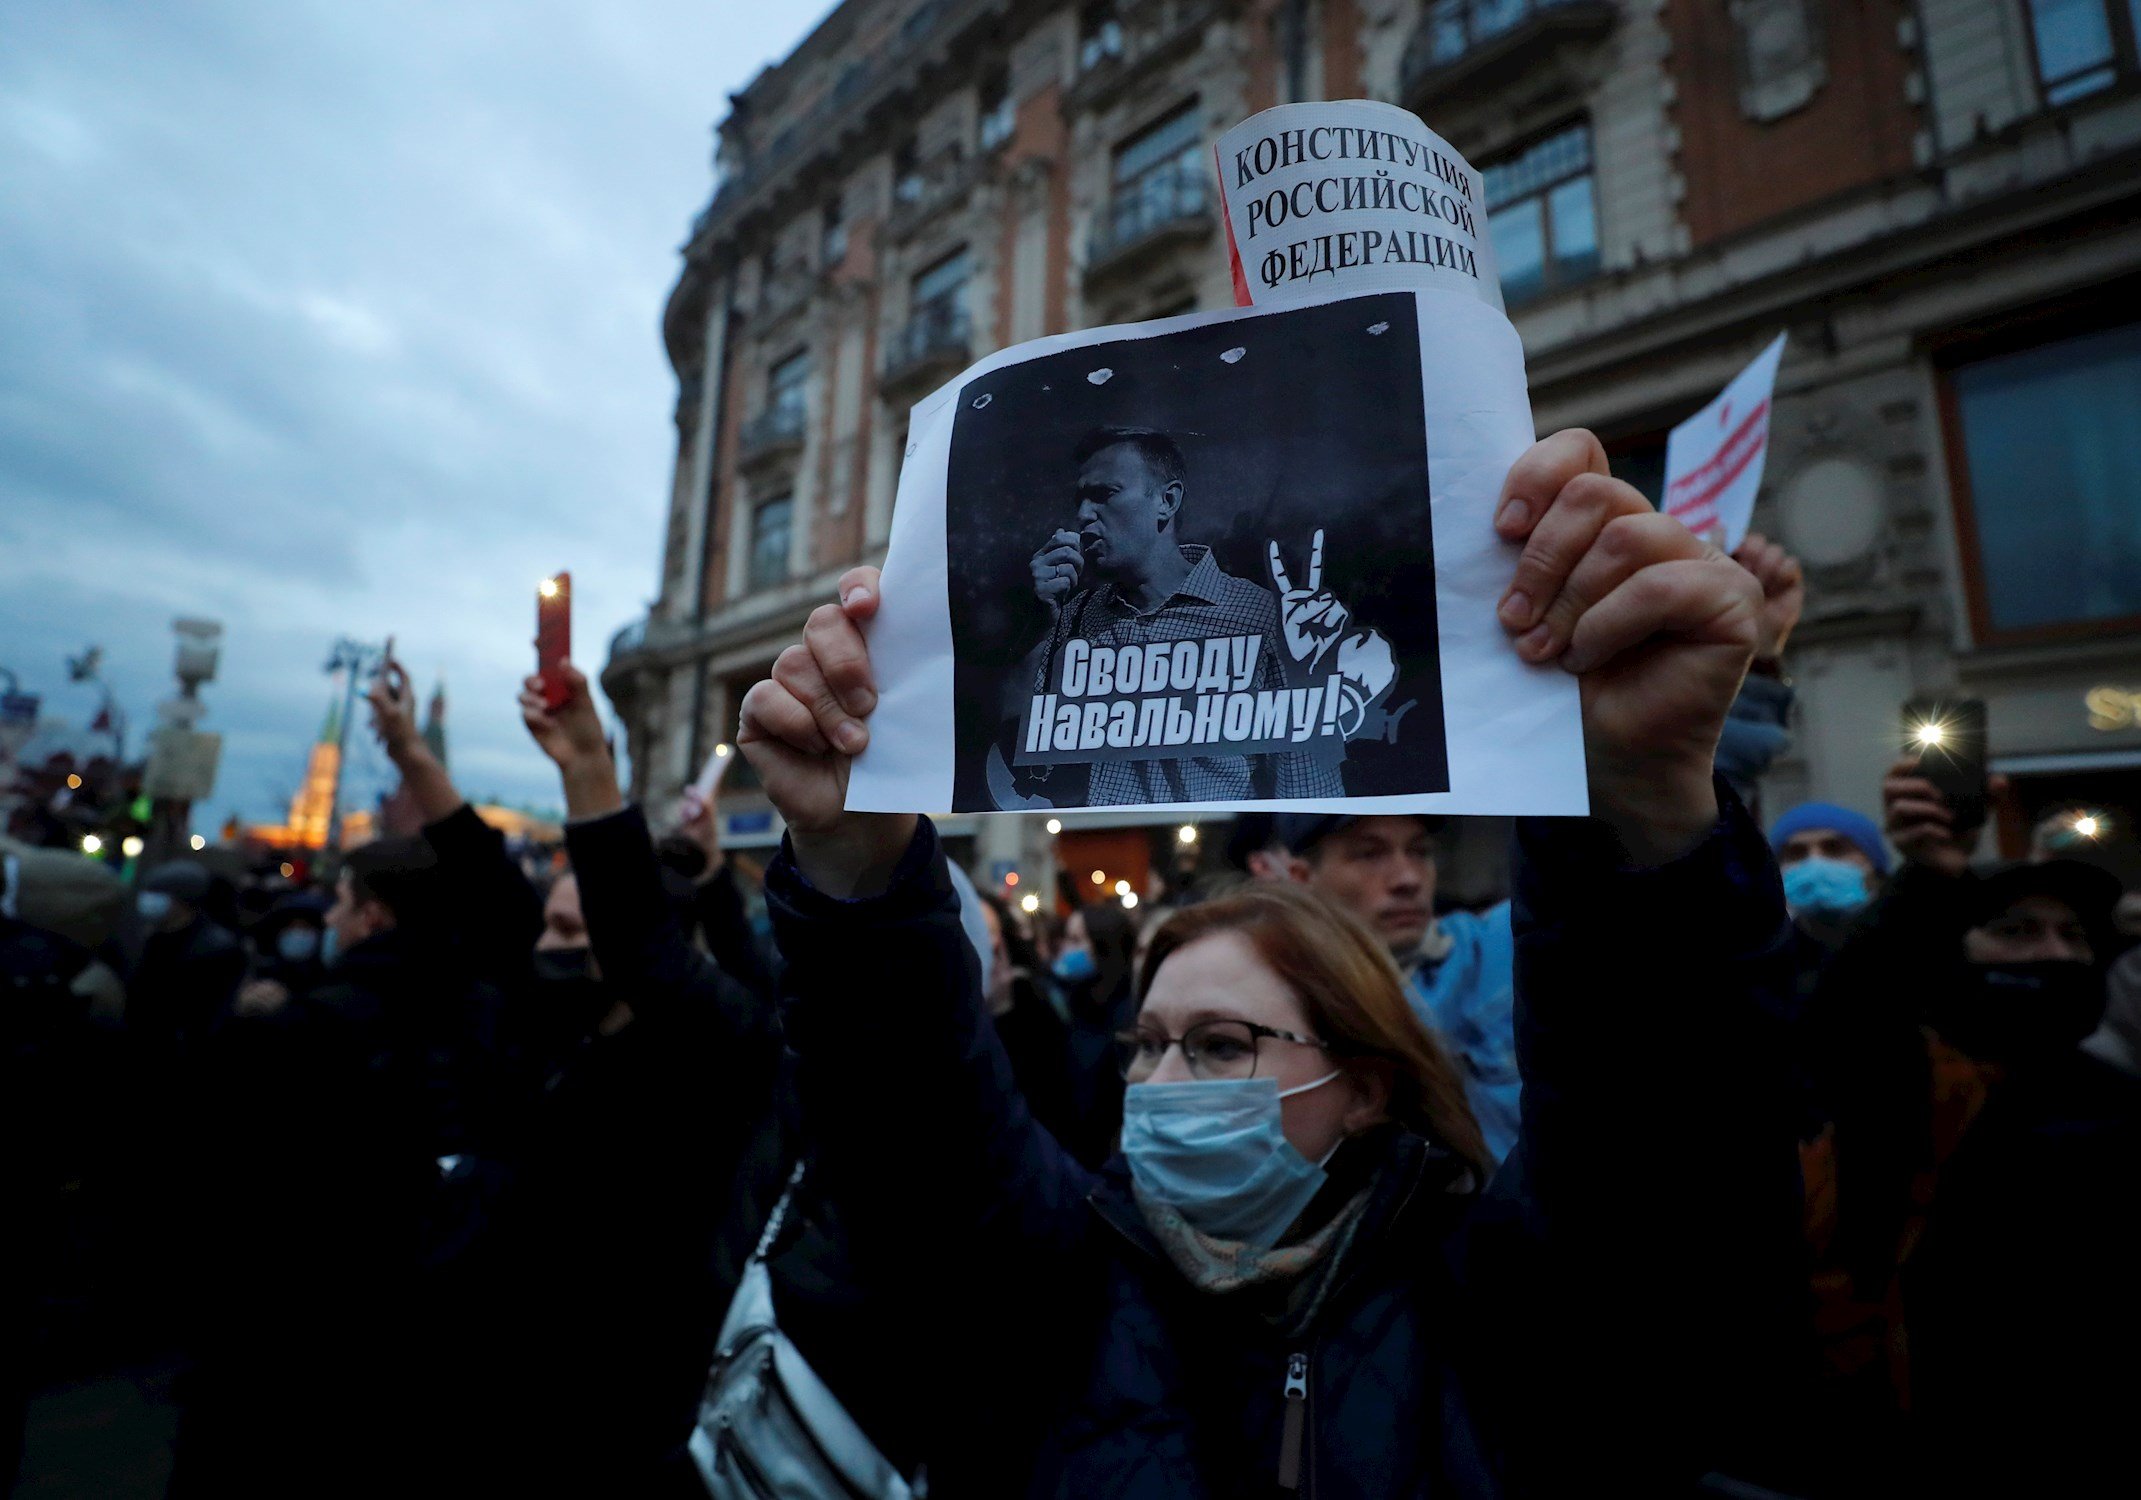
pixel 1123 577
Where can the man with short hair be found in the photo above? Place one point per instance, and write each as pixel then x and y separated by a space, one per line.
pixel 1460 968
pixel 1124 577
pixel 1833 861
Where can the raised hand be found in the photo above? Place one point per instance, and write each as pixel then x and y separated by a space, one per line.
pixel 1057 568
pixel 1921 824
pixel 1658 625
pixel 802 729
pixel 1310 618
pixel 393 704
pixel 571 735
pixel 1783 591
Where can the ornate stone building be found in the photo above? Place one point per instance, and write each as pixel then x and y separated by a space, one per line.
pixel 1937 198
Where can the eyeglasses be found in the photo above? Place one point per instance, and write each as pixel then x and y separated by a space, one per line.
pixel 1213 1049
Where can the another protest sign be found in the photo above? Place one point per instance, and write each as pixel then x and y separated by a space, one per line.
pixel 1350 196
pixel 1714 460
pixel 1238 559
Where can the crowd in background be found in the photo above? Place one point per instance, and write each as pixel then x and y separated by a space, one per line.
pixel 439 1173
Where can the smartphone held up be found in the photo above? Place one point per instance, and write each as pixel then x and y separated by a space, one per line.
pixel 1948 736
pixel 553 635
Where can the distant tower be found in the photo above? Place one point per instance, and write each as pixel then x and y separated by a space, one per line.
pixel 312 809
pixel 435 722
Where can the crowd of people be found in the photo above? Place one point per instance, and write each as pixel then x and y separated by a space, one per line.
pixel 1715 1160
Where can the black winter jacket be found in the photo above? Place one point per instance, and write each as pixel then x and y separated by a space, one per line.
pixel 1622 1310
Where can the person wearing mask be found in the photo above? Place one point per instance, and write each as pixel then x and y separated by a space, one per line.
pixel 646 1132
pixel 331 1127
pixel 291 948
pixel 1961 997
pixel 1093 974
pixel 190 966
pixel 1291 1280
pixel 1459 968
pixel 1833 862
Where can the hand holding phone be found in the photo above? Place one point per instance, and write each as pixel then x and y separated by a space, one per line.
pixel 1948 736
pixel 553 635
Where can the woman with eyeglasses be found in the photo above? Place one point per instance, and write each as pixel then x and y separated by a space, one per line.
pixel 1294 1278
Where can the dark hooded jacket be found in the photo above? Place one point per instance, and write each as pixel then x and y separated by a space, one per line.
pixel 1605 1315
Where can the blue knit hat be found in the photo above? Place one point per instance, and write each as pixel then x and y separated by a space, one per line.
pixel 1855 826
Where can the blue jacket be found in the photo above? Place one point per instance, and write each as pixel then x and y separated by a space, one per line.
pixel 1468 999
pixel 1620 1306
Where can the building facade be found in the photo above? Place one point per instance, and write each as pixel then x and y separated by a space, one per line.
pixel 1936 198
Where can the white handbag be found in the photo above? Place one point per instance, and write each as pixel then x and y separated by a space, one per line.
pixel 769 1428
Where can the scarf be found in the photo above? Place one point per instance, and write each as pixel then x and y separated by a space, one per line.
pixel 1221 1266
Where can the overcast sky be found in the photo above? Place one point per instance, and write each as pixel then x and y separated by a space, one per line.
pixel 320 318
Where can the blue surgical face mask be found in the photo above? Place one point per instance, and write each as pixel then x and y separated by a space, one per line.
pixel 296 945
pixel 154 906
pixel 1074 965
pixel 1825 888
pixel 1216 1152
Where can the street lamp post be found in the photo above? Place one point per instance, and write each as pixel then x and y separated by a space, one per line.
pixel 353 658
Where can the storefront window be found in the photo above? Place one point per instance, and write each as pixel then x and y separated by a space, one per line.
pixel 2049 482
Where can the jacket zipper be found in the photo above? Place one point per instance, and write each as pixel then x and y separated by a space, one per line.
pixel 1296 1425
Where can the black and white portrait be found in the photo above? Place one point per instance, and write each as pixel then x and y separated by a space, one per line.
pixel 1198 567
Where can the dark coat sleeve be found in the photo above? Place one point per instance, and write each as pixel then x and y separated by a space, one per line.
pixel 907 1095
pixel 1642 1245
pixel 638 940
pixel 497 913
pixel 718 906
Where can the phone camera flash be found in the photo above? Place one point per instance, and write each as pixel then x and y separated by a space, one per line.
pixel 1930 734
pixel 2088 826
pixel 548 588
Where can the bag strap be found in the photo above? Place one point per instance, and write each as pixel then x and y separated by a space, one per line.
pixel 779 1216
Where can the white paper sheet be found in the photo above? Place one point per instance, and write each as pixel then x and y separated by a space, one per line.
pixel 1512 732
pixel 1282 446
pixel 1714 460
pixel 1348 196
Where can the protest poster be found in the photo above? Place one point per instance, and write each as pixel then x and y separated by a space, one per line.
pixel 1714 460
pixel 1240 559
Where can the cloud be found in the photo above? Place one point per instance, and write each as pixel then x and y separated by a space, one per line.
pixel 322 319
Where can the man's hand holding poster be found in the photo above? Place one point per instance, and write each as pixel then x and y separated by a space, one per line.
pixel 1232 559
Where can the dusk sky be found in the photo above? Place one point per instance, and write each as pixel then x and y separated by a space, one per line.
pixel 325 319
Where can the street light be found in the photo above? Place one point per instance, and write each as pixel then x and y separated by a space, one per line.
pixel 132 846
pixel 91 843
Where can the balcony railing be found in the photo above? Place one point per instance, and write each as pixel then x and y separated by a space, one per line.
pixel 1458 38
pixel 938 336
pixel 1165 204
pixel 929 190
pixel 774 431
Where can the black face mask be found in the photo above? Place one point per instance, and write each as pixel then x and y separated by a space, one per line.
pixel 558 965
pixel 2016 1012
pixel 566 992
